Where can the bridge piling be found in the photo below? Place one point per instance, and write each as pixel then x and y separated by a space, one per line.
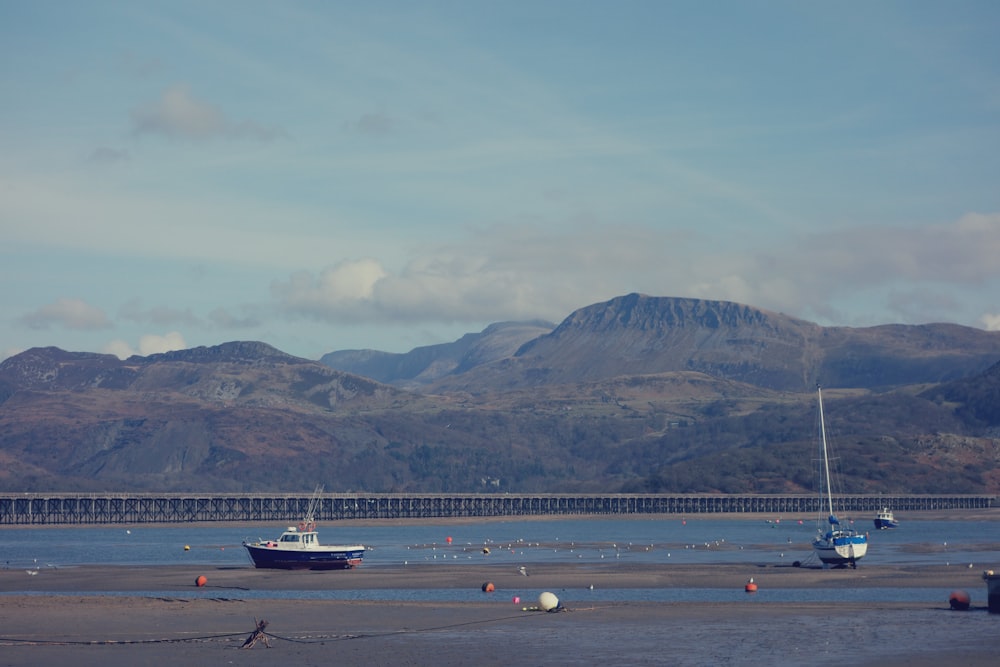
pixel 28 509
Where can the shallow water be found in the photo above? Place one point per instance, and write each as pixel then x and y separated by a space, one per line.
pixel 523 543
pixel 655 541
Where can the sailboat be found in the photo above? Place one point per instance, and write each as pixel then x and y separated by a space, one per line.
pixel 836 545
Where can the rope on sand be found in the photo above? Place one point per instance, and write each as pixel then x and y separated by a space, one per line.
pixel 108 642
pixel 259 634
pixel 375 635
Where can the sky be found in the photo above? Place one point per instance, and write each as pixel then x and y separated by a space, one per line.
pixel 325 175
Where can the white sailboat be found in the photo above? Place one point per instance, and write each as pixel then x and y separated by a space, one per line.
pixel 835 545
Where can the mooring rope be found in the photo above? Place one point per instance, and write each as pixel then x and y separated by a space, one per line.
pixel 307 639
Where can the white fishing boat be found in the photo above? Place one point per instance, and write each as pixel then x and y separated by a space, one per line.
pixel 885 519
pixel 835 545
pixel 299 548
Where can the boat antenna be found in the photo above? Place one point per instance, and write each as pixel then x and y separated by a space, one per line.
pixel 310 518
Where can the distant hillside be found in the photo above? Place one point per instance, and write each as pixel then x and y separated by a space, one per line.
pixel 635 394
pixel 423 365
pixel 978 397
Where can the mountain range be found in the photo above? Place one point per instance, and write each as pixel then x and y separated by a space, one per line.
pixel 636 394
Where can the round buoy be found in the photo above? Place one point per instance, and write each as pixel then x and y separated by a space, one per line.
pixel 547 601
pixel 201 581
pixel 486 551
pixel 448 539
pixel 187 547
pixel 959 600
pixel 751 587
pixel 516 600
pixel 488 587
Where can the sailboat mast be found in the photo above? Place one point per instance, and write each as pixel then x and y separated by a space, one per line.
pixel 826 459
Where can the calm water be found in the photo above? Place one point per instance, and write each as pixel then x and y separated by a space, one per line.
pixel 522 543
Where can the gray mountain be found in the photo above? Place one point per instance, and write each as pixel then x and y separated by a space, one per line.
pixel 423 365
pixel 639 335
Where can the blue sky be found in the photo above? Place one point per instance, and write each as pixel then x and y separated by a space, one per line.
pixel 337 175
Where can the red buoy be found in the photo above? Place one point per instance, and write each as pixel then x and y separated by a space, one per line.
pixel 201 581
pixel 751 587
pixel 488 587
pixel 959 600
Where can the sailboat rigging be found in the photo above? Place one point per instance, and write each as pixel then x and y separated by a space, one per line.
pixel 836 545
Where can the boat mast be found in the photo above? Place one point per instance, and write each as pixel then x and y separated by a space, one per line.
pixel 826 460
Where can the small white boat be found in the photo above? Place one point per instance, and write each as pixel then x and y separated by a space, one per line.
pixel 835 545
pixel 884 518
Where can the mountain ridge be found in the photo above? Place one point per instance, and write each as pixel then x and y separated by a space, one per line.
pixel 636 394
pixel 639 334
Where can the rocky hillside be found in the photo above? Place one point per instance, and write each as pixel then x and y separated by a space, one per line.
pixel 636 394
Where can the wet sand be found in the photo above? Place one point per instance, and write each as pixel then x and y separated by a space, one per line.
pixel 54 625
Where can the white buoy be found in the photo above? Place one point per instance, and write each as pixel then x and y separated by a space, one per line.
pixel 547 601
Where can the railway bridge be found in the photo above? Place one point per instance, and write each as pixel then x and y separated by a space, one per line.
pixel 33 509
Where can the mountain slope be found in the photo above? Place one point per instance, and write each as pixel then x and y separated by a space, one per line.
pixel 638 334
pixel 423 365
pixel 638 393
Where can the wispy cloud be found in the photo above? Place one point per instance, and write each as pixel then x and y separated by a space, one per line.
pixel 178 114
pixel 68 313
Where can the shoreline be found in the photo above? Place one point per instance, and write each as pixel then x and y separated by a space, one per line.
pixel 180 578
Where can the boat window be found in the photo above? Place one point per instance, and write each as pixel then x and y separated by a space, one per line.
pixel 289 538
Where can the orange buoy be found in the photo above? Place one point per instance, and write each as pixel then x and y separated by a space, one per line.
pixel 201 581
pixel 488 587
pixel 448 539
pixel 959 600
pixel 751 587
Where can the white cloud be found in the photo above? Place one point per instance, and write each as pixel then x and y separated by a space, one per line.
pixel 513 272
pixel 344 287
pixel 991 321
pixel 148 344
pixel 119 348
pixel 68 313
pixel 180 115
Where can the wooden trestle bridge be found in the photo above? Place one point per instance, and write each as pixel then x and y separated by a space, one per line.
pixel 134 508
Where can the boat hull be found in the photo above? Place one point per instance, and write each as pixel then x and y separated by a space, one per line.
pixel 841 550
pixel 329 558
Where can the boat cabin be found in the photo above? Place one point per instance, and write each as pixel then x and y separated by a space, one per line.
pixel 292 537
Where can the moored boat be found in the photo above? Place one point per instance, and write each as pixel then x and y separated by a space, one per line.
pixel 884 518
pixel 299 548
pixel 837 545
